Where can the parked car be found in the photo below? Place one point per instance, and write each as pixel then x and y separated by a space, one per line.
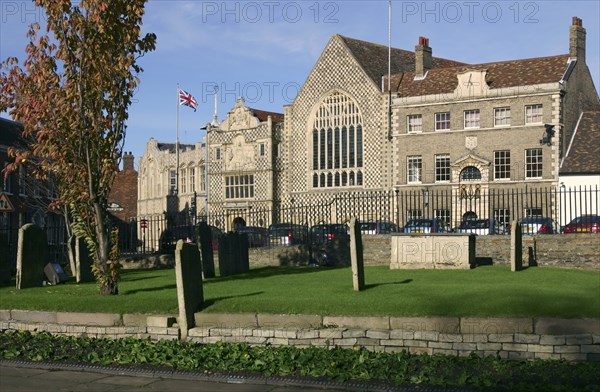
pixel 425 226
pixel 537 225
pixel 583 224
pixel 329 244
pixel 287 234
pixel 480 227
pixel 320 234
pixel 187 233
pixel 378 227
pixel 257 236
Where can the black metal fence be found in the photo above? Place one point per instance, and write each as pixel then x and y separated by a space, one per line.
pixel 150 235
pixel 452 206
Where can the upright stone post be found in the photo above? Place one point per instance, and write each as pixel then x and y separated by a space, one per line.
pixel 516 247
pixel 356 256
pixel 190 295
pixel 32 256
pixel 205 244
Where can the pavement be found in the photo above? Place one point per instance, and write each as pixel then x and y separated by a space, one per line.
pixel 13 378
pixel 23 376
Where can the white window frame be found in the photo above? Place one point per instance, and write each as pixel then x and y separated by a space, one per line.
pixel 531 113
pixel 442 118
pixel 500 162
pixel 414 123
pixel 239 187
pixel 172 181
pixel 502 114
pixel 531 167
pixel 474 112
pixel 183 180
pixel 447 173
pixel 414 169
pixel 192 179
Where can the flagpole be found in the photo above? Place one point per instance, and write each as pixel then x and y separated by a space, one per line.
pixel 177 145
pixel 389 86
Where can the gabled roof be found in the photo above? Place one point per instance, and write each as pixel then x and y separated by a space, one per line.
pixel 262 115
pixel 584 149
pixel 502 74
pixel 373 58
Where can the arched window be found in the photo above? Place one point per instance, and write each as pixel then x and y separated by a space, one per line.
pixel 470 173
pixel 337 142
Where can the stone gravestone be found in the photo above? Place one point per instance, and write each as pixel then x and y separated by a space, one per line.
pixel 516 247
pixel 205 245
pixel 83 262
pixel 356 256
pixel 190 295
pixel 233 254
pixel 32 256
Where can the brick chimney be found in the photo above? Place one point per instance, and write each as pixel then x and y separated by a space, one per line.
pixel 577 40
pixel 127 161
pixel 422 57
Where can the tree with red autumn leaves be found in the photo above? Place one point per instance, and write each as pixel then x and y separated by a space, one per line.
pixel 72 95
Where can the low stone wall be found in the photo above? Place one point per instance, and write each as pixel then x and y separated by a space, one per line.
pixel 554 250
pixel 510 338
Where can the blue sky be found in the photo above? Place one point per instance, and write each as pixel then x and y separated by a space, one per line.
pixel 264 50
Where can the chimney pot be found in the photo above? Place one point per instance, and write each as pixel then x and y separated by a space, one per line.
pixel 577 40
pixel 423 57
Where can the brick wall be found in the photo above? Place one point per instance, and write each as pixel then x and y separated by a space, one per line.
pixel 124 190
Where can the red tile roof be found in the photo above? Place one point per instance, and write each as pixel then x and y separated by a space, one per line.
pixel 374 59
pixel 262 115
pixel 499 75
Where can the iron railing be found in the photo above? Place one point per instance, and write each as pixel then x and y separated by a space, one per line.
pixel 148 235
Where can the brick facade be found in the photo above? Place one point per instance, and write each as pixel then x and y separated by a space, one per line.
pixel 122 201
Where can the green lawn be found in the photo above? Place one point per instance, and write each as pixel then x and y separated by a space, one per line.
pixel 484 291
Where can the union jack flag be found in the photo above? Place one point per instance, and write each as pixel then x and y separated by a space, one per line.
pixel 187 100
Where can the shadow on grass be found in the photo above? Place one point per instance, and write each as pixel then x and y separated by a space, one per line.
pixel 209 302
pixel 149 289
pixel 265 272
pixel 373 285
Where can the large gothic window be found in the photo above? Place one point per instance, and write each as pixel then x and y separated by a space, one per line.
pixel 337 143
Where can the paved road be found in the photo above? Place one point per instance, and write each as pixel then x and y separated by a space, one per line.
pixel 20 376
pixel 21 379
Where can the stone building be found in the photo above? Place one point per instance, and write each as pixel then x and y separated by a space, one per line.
pixel 457 130
pixel 159 195
pixel 242 150
pixel 242 166
pixel 450 135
